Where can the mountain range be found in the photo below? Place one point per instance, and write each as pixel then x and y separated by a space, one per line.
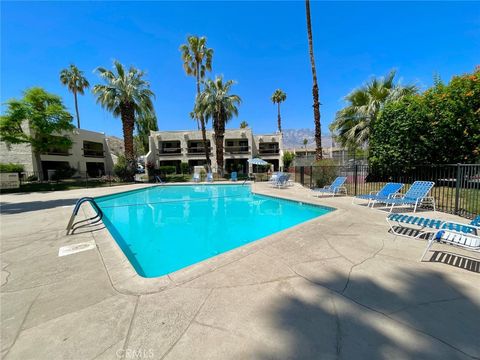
pixel 293 138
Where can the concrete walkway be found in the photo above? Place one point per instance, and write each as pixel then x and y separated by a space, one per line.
pixel 337 287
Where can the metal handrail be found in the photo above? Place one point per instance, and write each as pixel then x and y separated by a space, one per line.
pixel 95 218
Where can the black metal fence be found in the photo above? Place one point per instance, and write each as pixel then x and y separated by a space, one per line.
pixel 37 181
pixel 456 191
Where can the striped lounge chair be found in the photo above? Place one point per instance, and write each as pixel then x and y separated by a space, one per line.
pixel 468 241
pixel 431 224
pixel 385 193
pixel 334 189
pixel 416 196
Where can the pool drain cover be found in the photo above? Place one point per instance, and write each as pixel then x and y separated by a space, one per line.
pixel 76 248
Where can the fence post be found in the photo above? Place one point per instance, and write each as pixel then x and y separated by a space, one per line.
pixel 311 176
pixel 457 188
pixel 356 178
pixel 302 175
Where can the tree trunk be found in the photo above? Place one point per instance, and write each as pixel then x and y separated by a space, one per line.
pixel 279 119
pixel 219 136
pixel 38 160
pixel 316 103
pixel 128 122
pixel 203 127
pixel 76 108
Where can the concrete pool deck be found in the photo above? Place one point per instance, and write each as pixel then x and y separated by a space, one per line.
pixel 336 287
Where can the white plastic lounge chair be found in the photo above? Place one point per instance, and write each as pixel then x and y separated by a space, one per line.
pixel 466 241
pixel 430 224
pixel 158 179
pixel 209 177
pixel 196 177
pixel 416 196
pixel 334 189
pixel 388 191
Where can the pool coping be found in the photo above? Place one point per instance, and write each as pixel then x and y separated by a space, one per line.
pixel 125 279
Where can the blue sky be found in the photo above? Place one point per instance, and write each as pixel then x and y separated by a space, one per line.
pixel 261 45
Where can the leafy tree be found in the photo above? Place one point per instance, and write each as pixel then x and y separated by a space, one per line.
pixel 37 119
pixel 353 123
pixel 277 98
pixel 146 122
pixel 197 60
pixel 126 94
pixel 243 125
pixel 316 101
pixel 216 103
pixel 288 158
pixel 77 83
pixel 440 126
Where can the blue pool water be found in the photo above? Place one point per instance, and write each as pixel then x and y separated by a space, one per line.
pixel 165 228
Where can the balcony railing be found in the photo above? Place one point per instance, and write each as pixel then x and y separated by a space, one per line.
pixel 245 149
pixel 198 151
pixel 170 151
pixel 94 153
pixel 57 153
pixel 269 151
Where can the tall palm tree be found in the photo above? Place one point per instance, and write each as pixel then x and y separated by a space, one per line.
pixel 126 94
pixel 77 83
pixel 353 123
pixel 216 103
pixel 305 142
pixel 278 97
pixel 316 102
pixel 197 60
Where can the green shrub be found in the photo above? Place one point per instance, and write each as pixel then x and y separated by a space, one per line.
pixel 185 168
pixel 440 126
pixel 11 168
pixel 123 170
pixel 65 172
pixel 32 178
pixel 324 172
pixel 287 159
pixel 167 169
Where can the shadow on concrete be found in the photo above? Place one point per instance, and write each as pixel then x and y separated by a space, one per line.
pixel 419 315
pixel 459 261
pixel 7 208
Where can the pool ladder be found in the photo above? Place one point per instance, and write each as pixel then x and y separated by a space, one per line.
pixel 71 227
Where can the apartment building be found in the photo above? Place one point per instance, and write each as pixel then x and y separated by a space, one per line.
pixel 171 148
pixel 89 154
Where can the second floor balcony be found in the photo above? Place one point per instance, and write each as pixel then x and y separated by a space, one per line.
pixel 93 149
pixel 198 148
pixel 269 149
pixel 236 147
pixel 169 148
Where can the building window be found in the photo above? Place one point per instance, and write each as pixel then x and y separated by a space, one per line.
pixel 95 169
pixel 93 149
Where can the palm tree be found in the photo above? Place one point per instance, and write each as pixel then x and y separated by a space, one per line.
pixel 197 60
pixel 278 97
pixel 353 123
pixel 75 81
pixel 126 94
pixel 316 102
pixel 216 103
pixel 305 142
pixel 243 125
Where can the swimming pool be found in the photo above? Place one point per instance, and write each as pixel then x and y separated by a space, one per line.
pixel 166 228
